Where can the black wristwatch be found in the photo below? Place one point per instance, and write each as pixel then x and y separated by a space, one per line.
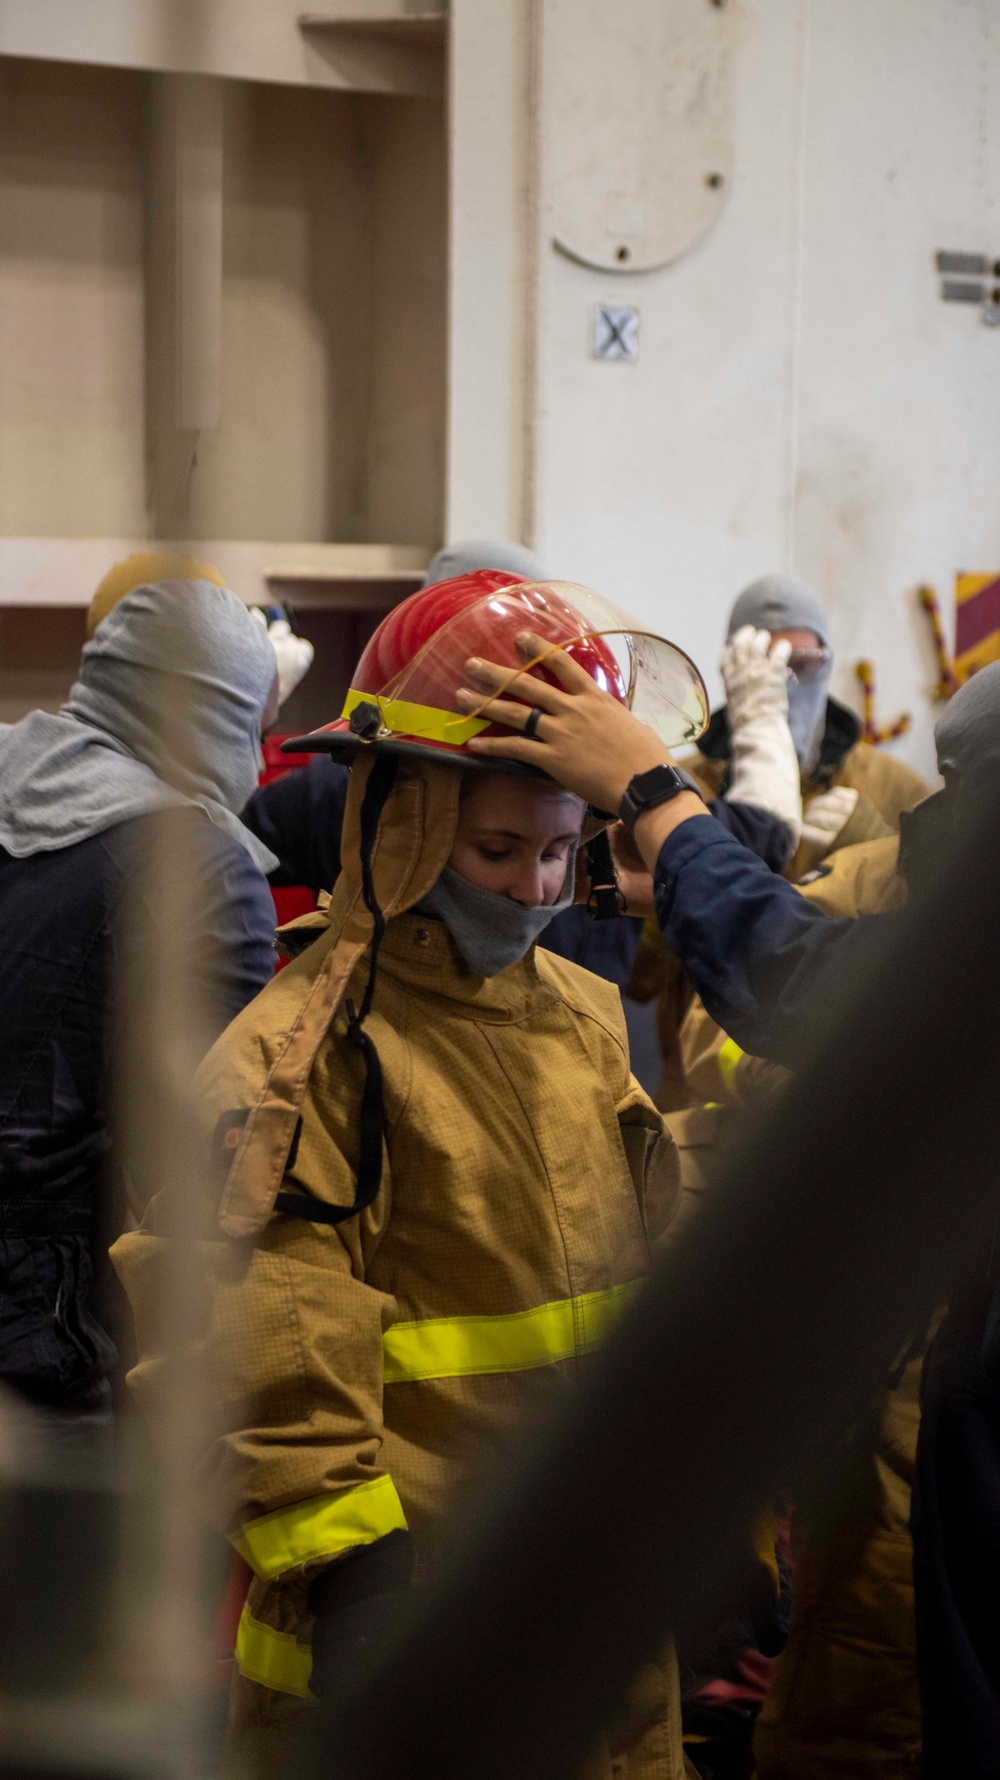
pixel 646 790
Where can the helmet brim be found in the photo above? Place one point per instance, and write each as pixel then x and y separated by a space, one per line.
pixel 344 742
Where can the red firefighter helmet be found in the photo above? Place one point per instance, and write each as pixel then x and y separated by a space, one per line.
pixel 402 695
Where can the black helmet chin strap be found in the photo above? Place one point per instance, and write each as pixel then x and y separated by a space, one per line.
pixel 605 900
pixel 371 1121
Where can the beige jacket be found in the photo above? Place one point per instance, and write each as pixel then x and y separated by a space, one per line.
pixel 888 785
pixel 379 1373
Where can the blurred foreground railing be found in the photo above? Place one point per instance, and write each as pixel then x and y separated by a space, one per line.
pixel 107 1583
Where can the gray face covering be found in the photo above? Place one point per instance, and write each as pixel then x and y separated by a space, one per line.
pixel 172 654
pixel 491 932
pixel 806 713
pixel 782 602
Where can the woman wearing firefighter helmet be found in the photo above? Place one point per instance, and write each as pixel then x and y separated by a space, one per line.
pixel 438 1180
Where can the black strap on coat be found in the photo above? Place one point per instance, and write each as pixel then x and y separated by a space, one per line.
pixel 371 1121
pixel 605 900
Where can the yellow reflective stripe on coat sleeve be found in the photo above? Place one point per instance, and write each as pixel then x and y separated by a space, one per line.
pixel 404 718
pixel 765 1544
pixel 464 1346
pixel 729 1059
pixel 274 1659
pixel 320 1527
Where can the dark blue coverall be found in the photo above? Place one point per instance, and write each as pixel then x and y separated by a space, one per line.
pixel 74 921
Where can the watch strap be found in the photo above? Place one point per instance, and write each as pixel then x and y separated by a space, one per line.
pixel 646 790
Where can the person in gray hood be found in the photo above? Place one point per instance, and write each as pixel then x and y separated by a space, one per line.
pixel 863 790
pixel 967 734
pixel 791 611
pixel 162 727
pixel 470 554
pixel 107 757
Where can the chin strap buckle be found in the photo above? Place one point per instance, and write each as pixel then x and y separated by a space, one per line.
pixel 365 720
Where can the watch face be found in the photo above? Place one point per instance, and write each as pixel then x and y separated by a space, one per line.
pixel 657 780
pixel 650 788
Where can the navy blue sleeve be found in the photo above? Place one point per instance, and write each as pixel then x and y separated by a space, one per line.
pixel 608 948
pixel 764 959
pixel 300 817
pixel 233 939
pixel 229 928
pixel 764 834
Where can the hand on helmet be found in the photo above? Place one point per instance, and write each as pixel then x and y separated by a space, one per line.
pixel 583 737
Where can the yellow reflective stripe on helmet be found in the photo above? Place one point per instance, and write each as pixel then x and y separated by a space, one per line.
pixel 320 1527
pixel 729 1059
pixel 274 1659
pixel 404 718
pixel 464 1346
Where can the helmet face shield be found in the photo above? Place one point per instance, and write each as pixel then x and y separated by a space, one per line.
pixel 656 680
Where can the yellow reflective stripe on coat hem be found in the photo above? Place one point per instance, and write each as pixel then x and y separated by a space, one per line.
pixel 469 1346
pixel 320 1527
pixel 765 1544
pixel 272 1659
pixel 730 1056
pixel 405 718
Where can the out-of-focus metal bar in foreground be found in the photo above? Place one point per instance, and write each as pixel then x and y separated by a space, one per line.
pixel 105 1594
pixel 762 1334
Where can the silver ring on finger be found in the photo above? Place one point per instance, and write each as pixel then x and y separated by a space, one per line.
pixel 531 722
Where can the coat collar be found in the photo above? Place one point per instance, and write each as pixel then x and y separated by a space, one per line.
pixel 841 732
pixel 419 953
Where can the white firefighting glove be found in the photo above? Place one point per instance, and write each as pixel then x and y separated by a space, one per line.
pixel 827 815
pixel 765 768
pixel 294 654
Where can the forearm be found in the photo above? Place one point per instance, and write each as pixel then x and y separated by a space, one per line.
pixel 765 772
pixel 654 826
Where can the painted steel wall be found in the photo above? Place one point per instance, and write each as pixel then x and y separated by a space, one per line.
pixel 71 301
pixel 331 295
pixel 803 397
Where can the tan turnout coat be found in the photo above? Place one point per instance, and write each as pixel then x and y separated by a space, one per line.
pixel 844 1700
pixel 380 1372
pixel 886 784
